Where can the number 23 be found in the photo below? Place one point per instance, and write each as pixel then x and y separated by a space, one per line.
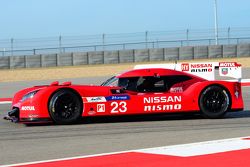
pixel 118 107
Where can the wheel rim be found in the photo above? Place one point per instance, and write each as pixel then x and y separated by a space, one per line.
pixel 215 101
pixel 66 106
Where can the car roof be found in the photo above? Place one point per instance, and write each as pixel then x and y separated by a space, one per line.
pixel 151 72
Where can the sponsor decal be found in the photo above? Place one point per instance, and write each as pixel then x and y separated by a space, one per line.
pixel 92 112
pixel 196 68
pixel 28 108
pixel 176 90
pixel 228 64
pixel 236 94
pixel 33 116
pixel 100 107
pixel 162 99
pixel 184 67
pixel 163 103
pixel 202 65
pixel 165 107
pixel 117 97
pixel 224 71
pixel 94 99
pixel 202 70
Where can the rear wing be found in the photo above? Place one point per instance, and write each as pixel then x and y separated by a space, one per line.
pixel 203 70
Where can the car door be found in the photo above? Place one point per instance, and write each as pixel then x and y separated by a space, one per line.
pixel 144 95
pixel 153 96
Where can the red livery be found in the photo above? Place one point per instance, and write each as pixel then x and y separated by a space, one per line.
pixel 143 90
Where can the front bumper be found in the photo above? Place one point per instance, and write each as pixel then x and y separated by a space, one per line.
pixel 13 115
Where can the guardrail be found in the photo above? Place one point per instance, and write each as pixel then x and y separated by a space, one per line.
pixel 108 42
pixel 124 46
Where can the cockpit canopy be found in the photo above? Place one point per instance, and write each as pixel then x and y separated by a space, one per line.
pixel 148 80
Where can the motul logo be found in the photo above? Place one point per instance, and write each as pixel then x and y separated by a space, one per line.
pixel 28 108
pixel 224 64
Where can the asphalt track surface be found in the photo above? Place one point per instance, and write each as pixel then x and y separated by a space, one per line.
pixel 20 143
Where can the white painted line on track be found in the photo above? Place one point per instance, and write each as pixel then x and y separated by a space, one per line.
pixel 5 102
pixel 202 148
pixel 183 150
pixel 70 158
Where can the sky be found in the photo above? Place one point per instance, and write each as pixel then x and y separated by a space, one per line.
pixel 49 18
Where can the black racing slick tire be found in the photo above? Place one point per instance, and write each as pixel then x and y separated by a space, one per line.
pixel 65 107
pixel 214 102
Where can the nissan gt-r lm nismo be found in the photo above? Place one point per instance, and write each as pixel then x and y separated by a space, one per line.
pixel 147 89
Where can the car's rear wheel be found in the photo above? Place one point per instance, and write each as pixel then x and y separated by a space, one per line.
pixel 214 102
pixel 65 107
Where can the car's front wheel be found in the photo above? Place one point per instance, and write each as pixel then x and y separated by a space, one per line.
pixel 214 102
pixel 65 107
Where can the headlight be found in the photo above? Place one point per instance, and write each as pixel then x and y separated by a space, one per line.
pixel 29 95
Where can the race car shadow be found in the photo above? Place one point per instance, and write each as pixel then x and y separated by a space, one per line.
pixel 158 117
pixel 130 118
pixel 240 114
pixel 139 118
pixel 150 118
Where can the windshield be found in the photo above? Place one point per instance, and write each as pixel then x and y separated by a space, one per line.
pixel 113 81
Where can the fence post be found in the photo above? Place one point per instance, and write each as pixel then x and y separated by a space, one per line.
pixel 157 43
pixel 146 39
pixel 3 52
pixel 103 41
pixel 228 35
pixel 25 61
pixel 187 35
pixel 12 45
pixel 60 44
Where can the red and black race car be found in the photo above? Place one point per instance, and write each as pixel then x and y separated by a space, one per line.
pixel 147 89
